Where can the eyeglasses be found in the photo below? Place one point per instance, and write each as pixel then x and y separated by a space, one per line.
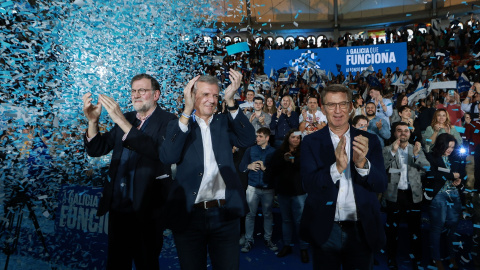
pixel 141 91
pixel 343 105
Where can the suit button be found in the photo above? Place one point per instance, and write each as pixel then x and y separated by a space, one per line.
pixel 194 193
pixel 200 174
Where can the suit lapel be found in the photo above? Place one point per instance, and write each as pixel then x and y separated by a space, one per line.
pixel 197 132
pixel 151 127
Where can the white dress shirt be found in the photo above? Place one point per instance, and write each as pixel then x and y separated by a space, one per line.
pixel 346 208
pixel 212 186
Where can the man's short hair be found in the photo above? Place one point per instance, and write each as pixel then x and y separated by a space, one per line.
pixel 336 88
pixel 377 88
pixel 396 124
pixel 370 102
pixel 153 81
pixel 403 108
pixel 312 97
pixel 264 130
pixel 258 98
pixel 250 90
pixel 208 79
pixel 357 118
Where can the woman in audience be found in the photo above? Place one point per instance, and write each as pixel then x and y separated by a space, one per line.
pixel 291 196
pixel 358 106
pixel 440 124
pixel 270 106
pixel 402 100
pixel 443 181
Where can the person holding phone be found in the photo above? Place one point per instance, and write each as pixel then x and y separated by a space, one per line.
pixel 290 193
pixel 447 170
pixel 284 120
pixel 453 108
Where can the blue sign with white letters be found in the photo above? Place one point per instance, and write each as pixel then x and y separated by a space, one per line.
pixel 345 59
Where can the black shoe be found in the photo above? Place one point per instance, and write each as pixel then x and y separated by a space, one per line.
pixel 304 255
pixel 285 251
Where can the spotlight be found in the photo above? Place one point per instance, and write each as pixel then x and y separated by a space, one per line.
pixel 463 150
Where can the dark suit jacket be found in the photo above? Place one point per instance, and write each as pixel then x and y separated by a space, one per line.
pixel 186 150
pixel 436 178
pixel 147 190
pixel 317 155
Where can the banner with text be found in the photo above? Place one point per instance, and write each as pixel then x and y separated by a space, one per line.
pixel 345 59
pixel 81 235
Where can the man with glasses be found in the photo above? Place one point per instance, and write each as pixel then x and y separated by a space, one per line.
pixel 342 169
pixel 133 192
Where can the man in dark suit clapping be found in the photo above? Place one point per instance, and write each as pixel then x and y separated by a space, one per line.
pixel 342 172
pixel 132 194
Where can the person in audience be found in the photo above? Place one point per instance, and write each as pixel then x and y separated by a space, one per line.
pixel 476 209
pixel 284 120
pixel 384 106
pixel 270 107
pixel 376 125
pixel 247 106
pixel 442 187
pixel 358 105
pixel 452 106
pixel 402 100
pixel 311 118
pixel 440 124
pixel 405 115
pixel 360 122
pixel 258 117
pixel 471 103
pixel 405 164
pixel 290 193
pixel 257 160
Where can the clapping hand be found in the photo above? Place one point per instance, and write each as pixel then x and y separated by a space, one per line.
pixel 360 150
pixel 341 155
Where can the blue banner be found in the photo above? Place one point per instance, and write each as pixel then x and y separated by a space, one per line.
pixel 345 59
pixel 81 235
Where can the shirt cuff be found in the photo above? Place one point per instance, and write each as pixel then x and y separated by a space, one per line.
pixel 90 139
pixel 335 174
pixel 364 172
pixel 125 136
pixel 233 115
pixel 182 126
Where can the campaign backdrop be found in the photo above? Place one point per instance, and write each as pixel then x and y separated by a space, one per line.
pixel 81 236
pixel 345 59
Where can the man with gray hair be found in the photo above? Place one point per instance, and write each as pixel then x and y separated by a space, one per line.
pixel 207 198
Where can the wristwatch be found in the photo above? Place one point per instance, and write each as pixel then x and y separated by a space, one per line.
pixel 235 107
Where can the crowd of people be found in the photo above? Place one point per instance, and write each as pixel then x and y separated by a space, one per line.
pixel 410 156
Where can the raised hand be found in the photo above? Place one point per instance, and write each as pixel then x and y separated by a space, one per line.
pixel 189 96
pixel 112 108
pixel 360 150
pixel 379 124
pixel 341 155
pixel 92 112
pixel 236 79
pixel 395 145
pixel 416 148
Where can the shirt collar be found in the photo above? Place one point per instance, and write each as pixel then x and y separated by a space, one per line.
pixel 347 133
pixel 146 117
pixel 200 120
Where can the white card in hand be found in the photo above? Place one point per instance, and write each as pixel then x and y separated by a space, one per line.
pixel 393 170
pixel 443 169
